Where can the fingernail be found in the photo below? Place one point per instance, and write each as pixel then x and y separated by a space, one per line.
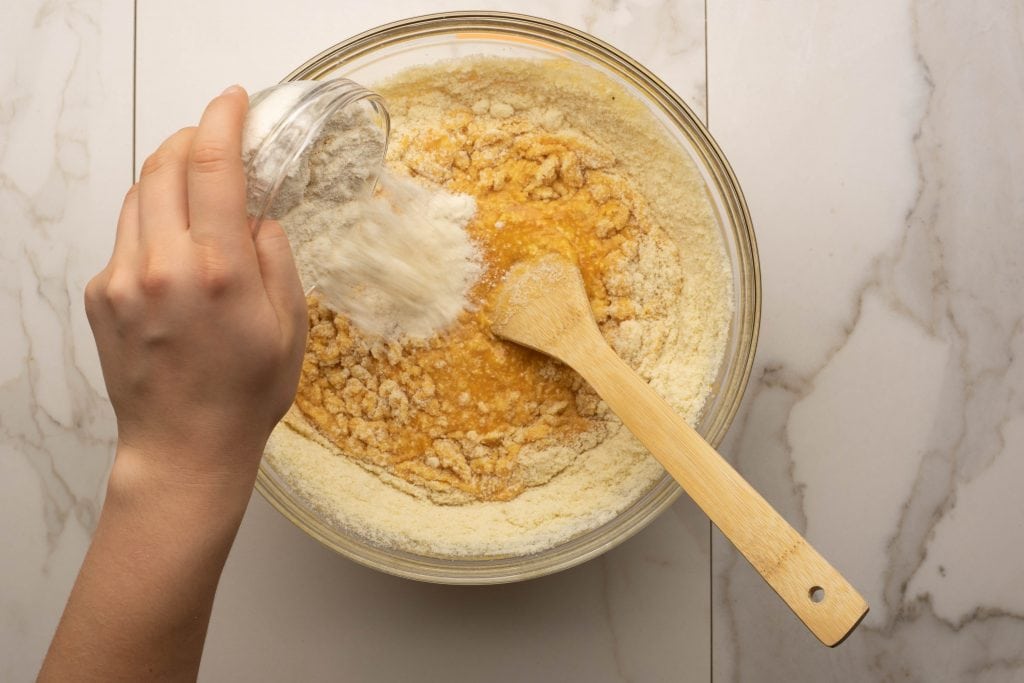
pixel 232 89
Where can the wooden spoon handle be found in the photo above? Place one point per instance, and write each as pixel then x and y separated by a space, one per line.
pixel 819 595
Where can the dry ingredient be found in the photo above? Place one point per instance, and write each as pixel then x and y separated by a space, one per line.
pixel 463 445
pixel 340 164
pixel 266 109
pixel 333 174
pixel 395 265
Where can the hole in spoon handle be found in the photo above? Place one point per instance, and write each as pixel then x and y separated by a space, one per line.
pixel 818 594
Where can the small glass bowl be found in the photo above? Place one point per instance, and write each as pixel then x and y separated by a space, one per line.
pixel 299 110
pixel 382 52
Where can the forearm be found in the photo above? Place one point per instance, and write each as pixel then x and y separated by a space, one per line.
pixel 200 328
pixel 141 605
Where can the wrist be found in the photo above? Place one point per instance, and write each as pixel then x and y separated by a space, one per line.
pixel 148 479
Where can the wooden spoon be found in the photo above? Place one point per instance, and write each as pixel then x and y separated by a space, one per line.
pixel 542 305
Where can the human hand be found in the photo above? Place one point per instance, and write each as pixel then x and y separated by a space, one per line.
pixel 200 327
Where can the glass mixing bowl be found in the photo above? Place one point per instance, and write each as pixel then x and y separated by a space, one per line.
pixel 384 51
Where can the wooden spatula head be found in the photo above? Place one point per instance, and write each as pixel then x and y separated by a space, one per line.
pixel 543 304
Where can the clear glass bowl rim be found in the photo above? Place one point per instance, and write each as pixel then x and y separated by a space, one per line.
pixel 747 282
pixel 295 132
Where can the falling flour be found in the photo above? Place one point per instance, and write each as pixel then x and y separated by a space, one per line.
pixel 397 263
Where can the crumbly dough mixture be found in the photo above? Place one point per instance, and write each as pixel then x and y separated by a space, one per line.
pixel 455 413
pixel 463 444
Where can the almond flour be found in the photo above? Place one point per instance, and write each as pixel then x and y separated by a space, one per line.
pixel 464 445
pixel 395 264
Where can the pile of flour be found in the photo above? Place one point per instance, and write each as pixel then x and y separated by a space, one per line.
pixel 397 263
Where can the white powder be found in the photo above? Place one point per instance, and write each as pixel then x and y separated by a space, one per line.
pixel 397 265
pixel 266 109
pixel 339 162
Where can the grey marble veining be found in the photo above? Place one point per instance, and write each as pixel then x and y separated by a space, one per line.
pixel 880 149
pixel 65 152
pixel 885 417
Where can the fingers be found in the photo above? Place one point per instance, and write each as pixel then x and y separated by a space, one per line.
pixel 126 239
pixel 216 179
pixel 122 259
pixel 163 192
pixel 281 279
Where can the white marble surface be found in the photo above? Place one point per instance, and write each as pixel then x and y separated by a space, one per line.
pixel 880 148
pixel 65 159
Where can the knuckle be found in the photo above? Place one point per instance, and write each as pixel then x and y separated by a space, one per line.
pixel 93 297
pixel 132 193
pixel 120 291
pixel 172 151
pixel 210 156
pixel 155 282
pixel 274 236
pixel 216 280
pixel 161 158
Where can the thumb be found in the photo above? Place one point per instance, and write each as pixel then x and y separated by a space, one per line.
pixel 281 278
